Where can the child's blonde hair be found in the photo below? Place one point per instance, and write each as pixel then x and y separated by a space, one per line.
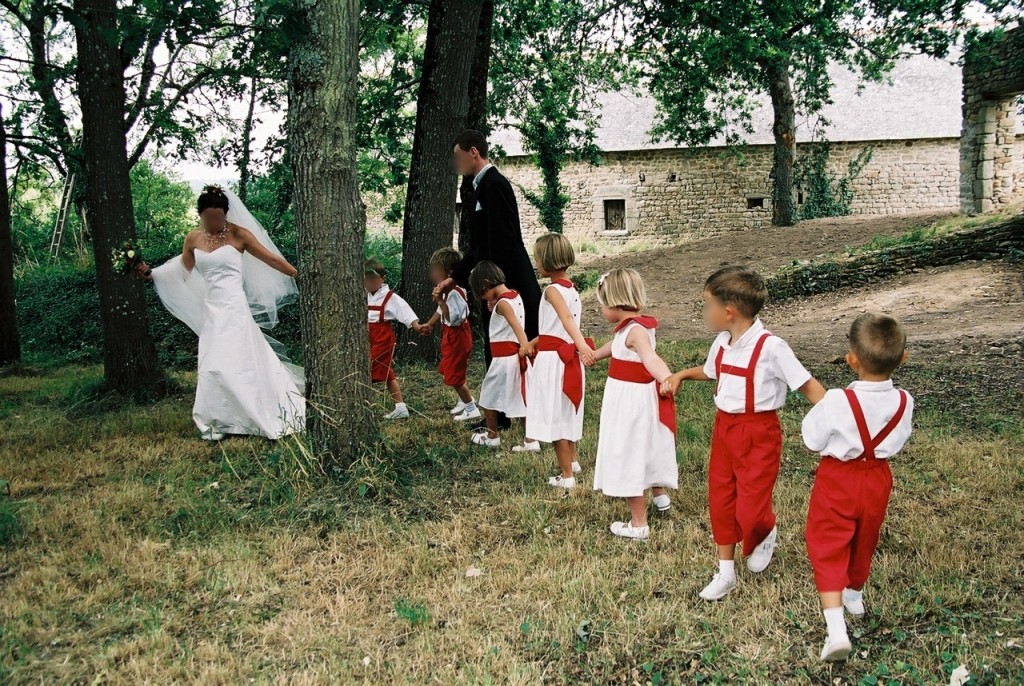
pixel 554 252
pixel 623 289
pixel 878 341
pixel 446 258
pixel 374 268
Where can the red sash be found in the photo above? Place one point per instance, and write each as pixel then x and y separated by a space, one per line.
pixel 746 372
pixel 871 442
pixel 636 372
pixel 508 349
pixel 572 377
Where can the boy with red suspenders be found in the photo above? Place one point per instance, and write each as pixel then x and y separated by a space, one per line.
pixel 384 306
pixel 855 430
pixel 754 371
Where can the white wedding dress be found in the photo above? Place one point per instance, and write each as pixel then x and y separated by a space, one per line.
pixel 244 386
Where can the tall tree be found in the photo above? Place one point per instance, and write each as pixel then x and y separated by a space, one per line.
pixel 476 114
pixel 706 61
pixel 330 224
pixel 10 348
pixel 129 356
pixel 441 110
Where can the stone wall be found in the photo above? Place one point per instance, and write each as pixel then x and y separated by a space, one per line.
pixel 988 243
pixel 989 157
pixel 684 194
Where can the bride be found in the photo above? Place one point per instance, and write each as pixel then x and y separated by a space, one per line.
pixel 228 283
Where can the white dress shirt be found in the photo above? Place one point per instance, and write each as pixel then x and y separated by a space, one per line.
pixel 778 371
pixel 830 428
pixel 458 308
pixel 476 181
pixel 397 309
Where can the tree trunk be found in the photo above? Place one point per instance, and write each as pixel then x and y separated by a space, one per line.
pixel 245 159
pixel 784 208
pixel 129 357
pixel 330 223
pixel 10 348
pixel 476 117
pixel 441 109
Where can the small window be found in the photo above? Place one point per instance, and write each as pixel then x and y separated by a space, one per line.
pixel 800 198
pixel 615 215
pixel 755 203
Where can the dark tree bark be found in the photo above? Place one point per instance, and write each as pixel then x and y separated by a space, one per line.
pixel 245 158
pixel 441 109
pixel 10 348
pixel 784 207
pixel 476 117
pixel 330 223
pixel 129 357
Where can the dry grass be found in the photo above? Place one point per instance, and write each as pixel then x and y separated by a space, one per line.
pixel 149 556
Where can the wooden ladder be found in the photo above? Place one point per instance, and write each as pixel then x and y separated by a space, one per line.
pixel 62 216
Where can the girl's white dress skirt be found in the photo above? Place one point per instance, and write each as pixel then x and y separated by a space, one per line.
pixel 501 390
pixel 550 415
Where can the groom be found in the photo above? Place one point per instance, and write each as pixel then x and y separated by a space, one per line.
pixel 494 234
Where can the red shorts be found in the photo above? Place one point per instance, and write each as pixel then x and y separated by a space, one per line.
pixel 382 352
pixel 745 454
pixel 848 504
pixel 456 344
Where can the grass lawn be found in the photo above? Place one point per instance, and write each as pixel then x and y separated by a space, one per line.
pixel 133 552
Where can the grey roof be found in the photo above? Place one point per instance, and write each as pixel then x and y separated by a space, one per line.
pixel 920 99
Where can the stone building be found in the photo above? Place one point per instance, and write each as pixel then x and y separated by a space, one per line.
pixel 648 192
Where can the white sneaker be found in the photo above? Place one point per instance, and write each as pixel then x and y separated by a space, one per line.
pixel 212 435
pixel 627 530
pixel 576 468
pixel 465 416
pixel 836 649
pixel 718 588
pixel 524 447
pixel 561 482
pixel 758 560
pixel 663 503
pixel 459 407
pixel 483 439
pixel 853 602
pixel 398 413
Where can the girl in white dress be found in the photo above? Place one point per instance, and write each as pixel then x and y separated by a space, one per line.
pixel 636 448
pixel 226 285
pixel 554 399
pixel 504 386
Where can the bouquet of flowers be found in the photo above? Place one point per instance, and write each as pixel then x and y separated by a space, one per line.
pixel 126 258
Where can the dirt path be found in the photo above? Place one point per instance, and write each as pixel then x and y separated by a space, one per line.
pixel 675 275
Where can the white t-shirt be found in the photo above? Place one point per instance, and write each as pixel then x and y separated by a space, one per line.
pixel 778 371
pixel 458 308
pixel 830 428
pixel 397 310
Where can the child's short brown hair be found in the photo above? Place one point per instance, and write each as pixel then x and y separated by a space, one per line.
pixel 374 268
pixel 554 252
pixel 878 341
pixel 739 286
pixel 485 276
pixel 623 289
pixel 446 258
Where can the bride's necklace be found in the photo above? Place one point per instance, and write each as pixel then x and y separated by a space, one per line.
pixel 216 239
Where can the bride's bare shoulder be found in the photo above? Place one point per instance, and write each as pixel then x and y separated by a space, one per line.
pixel 193 236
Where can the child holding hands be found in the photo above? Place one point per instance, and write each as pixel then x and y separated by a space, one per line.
pixel 636 448
pixel 754 371
pixel 456 335
pixel 554 397
pixel 856 430
pixel 384 306
pixel 504 386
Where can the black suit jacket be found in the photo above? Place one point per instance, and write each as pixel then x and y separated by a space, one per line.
pixel 495 235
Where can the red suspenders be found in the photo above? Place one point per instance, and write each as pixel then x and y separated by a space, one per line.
pixel 870 443
pixel 746 372
pixel 380 308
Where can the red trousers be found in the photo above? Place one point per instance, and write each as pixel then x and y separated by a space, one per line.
pixel 382 352
pixel 745 454
pixel 848 504
pixel 456 344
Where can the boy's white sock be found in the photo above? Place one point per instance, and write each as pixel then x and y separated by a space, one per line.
pixel 850 595
pixel 471 405
pixel 727 570
pixel 836 622
pixel 400 406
